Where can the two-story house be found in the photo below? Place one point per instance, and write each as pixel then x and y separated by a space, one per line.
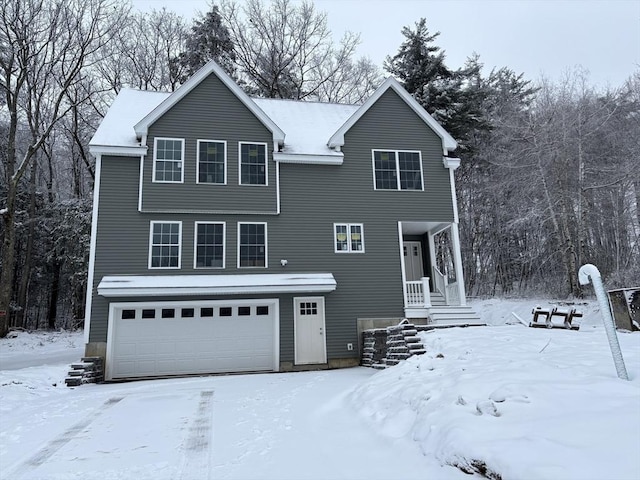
pixel 237 234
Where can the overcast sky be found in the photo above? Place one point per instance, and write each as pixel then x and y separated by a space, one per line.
pixel 534 37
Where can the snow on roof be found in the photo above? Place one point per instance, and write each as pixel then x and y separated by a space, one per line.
pixel 307 125
pixel 134 285
pixel 129 107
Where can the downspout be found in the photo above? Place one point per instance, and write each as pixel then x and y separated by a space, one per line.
pixel 588 273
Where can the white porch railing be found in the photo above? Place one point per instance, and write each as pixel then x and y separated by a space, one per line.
pixel 418 293
pixel 449 291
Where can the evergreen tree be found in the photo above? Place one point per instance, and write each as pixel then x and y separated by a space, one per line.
pixel 209 39
pixel 453 98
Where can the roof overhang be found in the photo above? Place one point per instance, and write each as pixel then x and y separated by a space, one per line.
pixel 182 285
pixel 142 127
pixel 117 151
pixel 448 142
pixel 337 159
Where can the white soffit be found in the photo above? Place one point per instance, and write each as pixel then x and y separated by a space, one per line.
pixel 160 285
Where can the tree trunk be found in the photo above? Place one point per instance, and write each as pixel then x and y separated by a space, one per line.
pixel 53 296
pixel 8 259
pixel 26 269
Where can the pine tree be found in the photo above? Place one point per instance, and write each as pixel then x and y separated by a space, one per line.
pixel 209 39
pixel 453 98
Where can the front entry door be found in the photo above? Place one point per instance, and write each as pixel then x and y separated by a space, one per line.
pixel 309 330
pixel 413 265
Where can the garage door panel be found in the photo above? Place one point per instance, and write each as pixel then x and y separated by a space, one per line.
pixel 174 346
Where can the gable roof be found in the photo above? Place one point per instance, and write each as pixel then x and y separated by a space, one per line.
pixel 211 67
pixel 448 142
pixel 306 125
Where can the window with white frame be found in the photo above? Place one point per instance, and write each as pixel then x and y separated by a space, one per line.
pixel 165 244
pixel 252 245
pixel 168 159
pixel 253 163
pixel 209 248
pixel 212 159
pixel 348 237
pixel 397 170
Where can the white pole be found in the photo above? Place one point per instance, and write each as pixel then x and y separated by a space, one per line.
pixel 588 273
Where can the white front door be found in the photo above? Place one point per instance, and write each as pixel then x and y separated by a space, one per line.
pixel 413 266
pixel 309 330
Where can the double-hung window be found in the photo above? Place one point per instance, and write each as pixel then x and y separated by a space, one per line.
pixel 168 160
pixel 348 237
pixel 209 245
pixel 252 245
pixel 212 160
pixel 397 170
pixel 165 244
pixel 253 163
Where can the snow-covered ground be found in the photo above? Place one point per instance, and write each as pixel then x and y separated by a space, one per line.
pixel 517 402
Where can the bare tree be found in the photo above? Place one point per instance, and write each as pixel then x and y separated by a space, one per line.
pixel 284 50
pixel 45 48
pixel 145 53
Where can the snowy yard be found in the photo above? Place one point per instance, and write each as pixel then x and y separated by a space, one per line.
pixel 521 403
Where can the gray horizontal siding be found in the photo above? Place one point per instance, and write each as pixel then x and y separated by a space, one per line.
pixel 313 198
pixel 209 112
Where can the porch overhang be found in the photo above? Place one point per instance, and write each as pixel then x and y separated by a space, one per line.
pixel 183 285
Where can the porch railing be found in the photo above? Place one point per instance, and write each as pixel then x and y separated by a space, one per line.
pixel 418 293
pixel 449 291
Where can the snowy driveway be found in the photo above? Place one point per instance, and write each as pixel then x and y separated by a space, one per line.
pixel 296 425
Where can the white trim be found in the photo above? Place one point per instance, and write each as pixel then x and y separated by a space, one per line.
pixel 277 188
pixel 398 185
pixel 457 261
pixel 96 150
pixel 151 224
pixel 300 158
pixel 448 142
pixel 454 195
pixel 214 284
pixel 155 159
pixel 211 212
pixel 92 249
pixel 403 270
pixel 140 183
pixel 450 162
pixel 142 127
pixel 273 303
pixel 224 142
pixel 266 165
pixel 266 242
pixel 296 303
pixel 348 225
pixel 195 245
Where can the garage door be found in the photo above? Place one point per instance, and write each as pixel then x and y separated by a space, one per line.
pixel 178 338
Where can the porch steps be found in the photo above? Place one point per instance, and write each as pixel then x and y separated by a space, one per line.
pixel 453 315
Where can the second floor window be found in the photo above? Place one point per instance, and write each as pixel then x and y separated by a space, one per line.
pixel 252 245
pixel 209 245
pixel 165 244
pixel 397 170
pixel 253 163
pixel 168 156
pixel 211 162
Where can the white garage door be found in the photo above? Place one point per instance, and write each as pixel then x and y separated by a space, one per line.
pixel 177 338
